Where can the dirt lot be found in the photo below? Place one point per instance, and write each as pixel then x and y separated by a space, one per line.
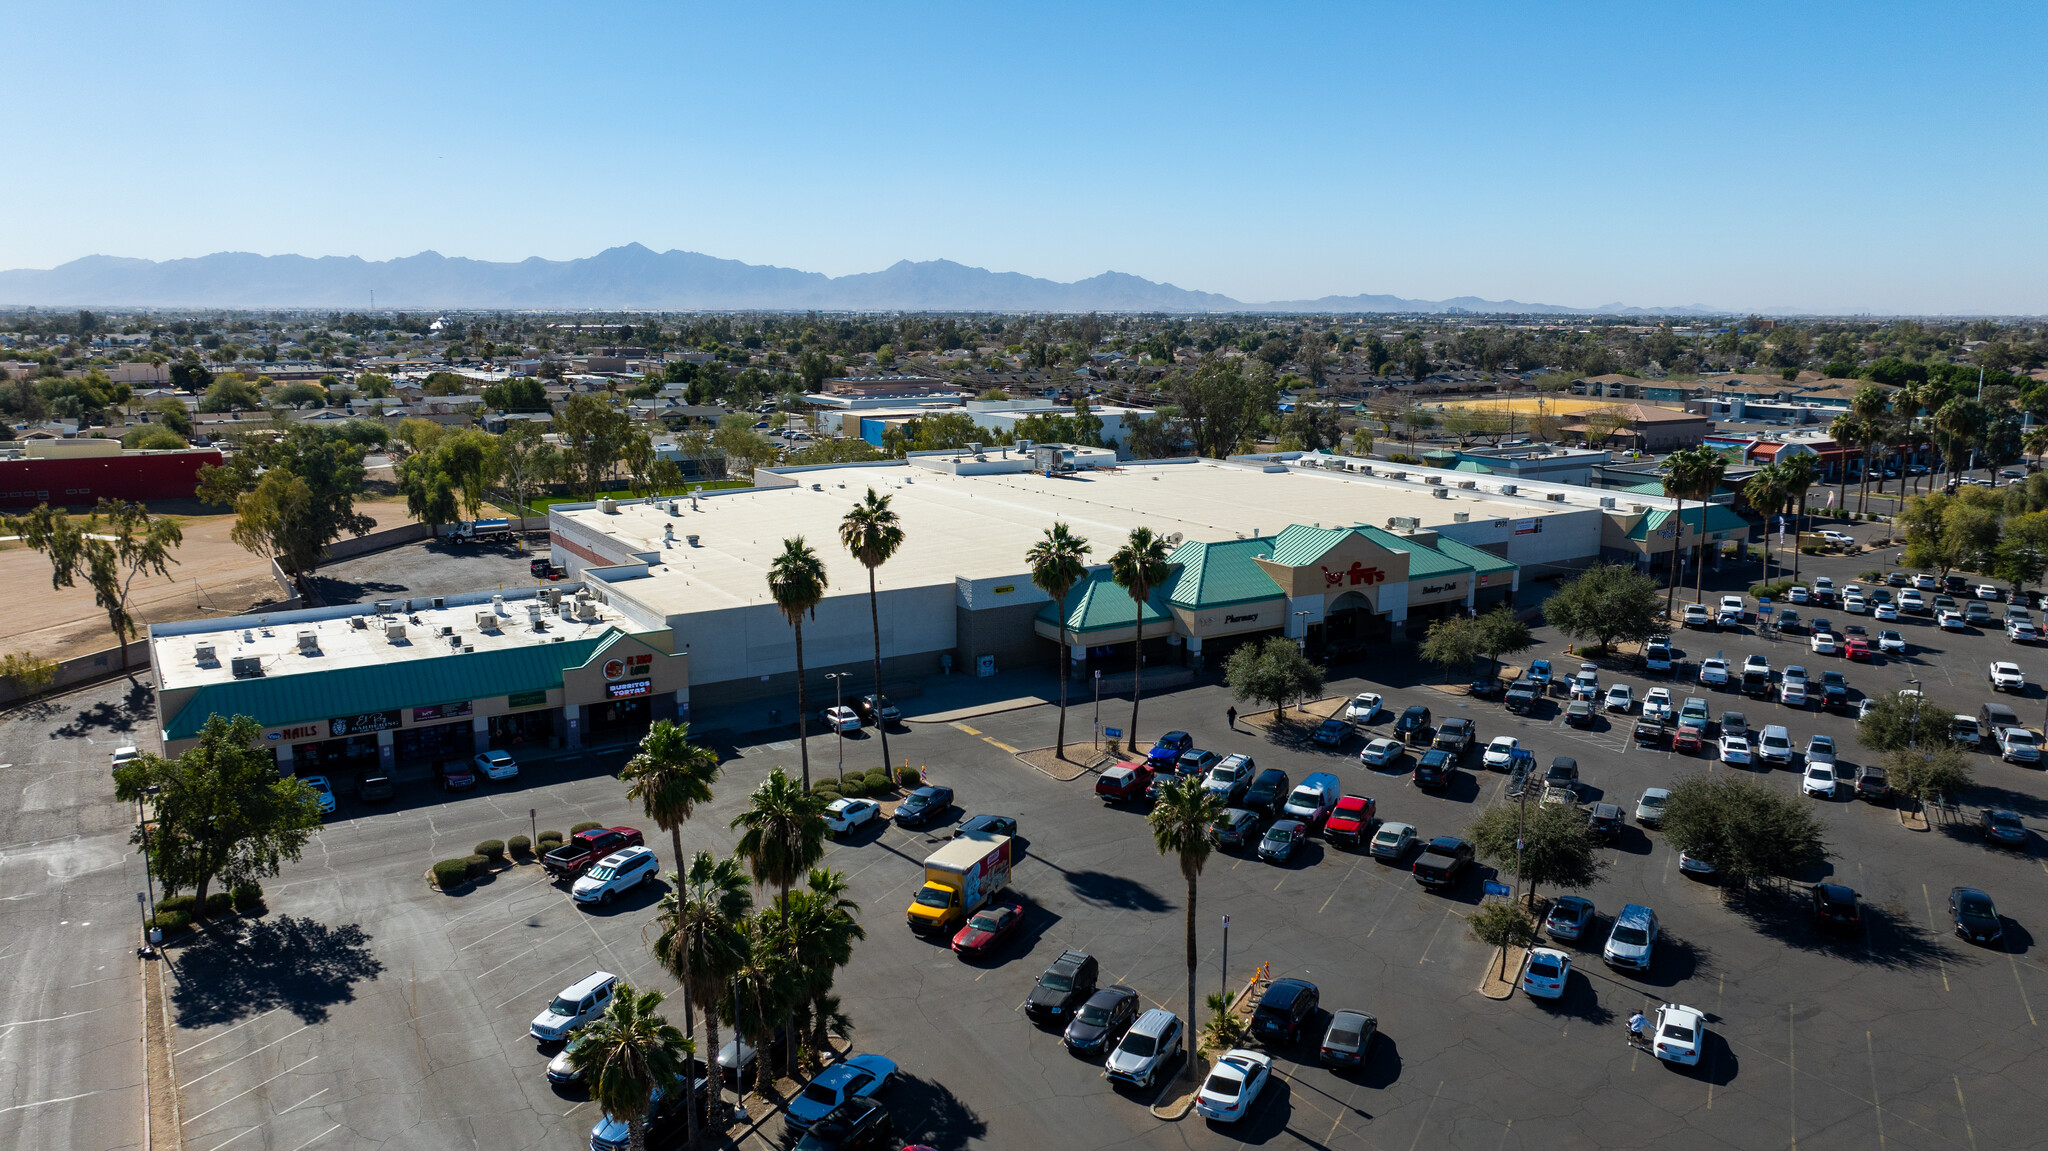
pixel 213 576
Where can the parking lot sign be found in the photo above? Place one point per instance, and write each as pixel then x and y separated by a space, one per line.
pixel 1493 888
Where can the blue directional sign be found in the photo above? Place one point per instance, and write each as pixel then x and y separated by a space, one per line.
pixel 1493 888
pixel 1112 732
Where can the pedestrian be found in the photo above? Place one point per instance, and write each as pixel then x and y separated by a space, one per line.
pixel 1636 1023
pixel 1230 713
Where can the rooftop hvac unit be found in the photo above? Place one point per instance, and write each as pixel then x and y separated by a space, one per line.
pixel 668 531
pixel 1461 517
pixel 817 487
pixel 358 622
pixel 204 654
pixel 1606 501
pixel 383 607
pixel 1409 522
pixel 583 593
pixel 497 601
pixel 1397 475
pixel 1555 497
pixel 609 507
pixel 1441 493
pixel 440 602
pixel 1432 479
pixel 675 507
pixel 692 539
pixel 1638 509
pixel 487 621
pixel 447 629
pixel 309 642
pixel 586 609
pixel 394 632
pixel 554 595
pixel 1468 485
pixel 1509 489
pixel 246 667
pixel 974 449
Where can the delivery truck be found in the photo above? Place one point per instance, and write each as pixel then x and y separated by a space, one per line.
pixel 479 531
pixel 958 879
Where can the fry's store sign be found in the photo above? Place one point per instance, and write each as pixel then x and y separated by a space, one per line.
pixel 1356 574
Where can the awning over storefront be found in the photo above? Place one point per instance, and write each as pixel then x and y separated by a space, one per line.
pixel 1100 612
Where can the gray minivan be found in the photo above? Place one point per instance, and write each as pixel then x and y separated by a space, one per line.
pixel 1995 718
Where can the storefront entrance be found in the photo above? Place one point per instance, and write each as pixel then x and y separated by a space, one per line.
pixel 618 717
pixel 437 742
pixel 335 756
pixel 525 727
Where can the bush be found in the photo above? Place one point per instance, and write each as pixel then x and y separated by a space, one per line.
pixel 550 840
pixel 450 873
pixel 519 846
pixel 247 896
pixel 219 903
pixel 171 922
pixel 877 776
pixel 580 828
pixel 1873 577
pixel 909 777
pixel 476 865
pixel 491 849
pixel 175 904
pixel 1404 458
pixel 1775 592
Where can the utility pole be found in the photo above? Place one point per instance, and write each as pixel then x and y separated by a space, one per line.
pixel 839 701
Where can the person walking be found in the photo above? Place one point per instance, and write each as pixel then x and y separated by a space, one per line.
pixel 1636 1024
pixel 1230 713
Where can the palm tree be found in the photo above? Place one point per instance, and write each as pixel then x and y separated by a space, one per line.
pixel 797 581
pixel 1138 567
pixel 703 942
pixel 765 993
pixel 1849 431
pixel 1871 405
pixel 1056 567
pixel 872 533
pixel 628 1052
pixel 784 837
pixel 1679 482
pixel 1708 469
pixel 670 776
pixel 1765 491
pixel 1799 474
pixel 2036 444
pixel 1183 824
pixel 820 931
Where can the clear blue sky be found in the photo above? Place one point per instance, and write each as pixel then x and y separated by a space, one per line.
pixel 1884 157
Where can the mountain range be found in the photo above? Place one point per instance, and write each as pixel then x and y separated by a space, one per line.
pixel 639 278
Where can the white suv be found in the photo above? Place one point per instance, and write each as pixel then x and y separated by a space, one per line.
pixel 578 1004
pixel 1146 1048
pixel 617 872
pixel 2007 677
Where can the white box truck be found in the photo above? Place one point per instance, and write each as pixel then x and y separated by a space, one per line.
pixel 958 879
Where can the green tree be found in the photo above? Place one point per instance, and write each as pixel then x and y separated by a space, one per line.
pixel 518 394
pixel 299 392
pixel 222 812
pixel 784 838
pixel 1226 1029
pixel 2021 553
pixel 428 490
pixel 819 930
pixel 231 393
pixel 797 581
pixel 1748 831
pixel 703 940
pixel 1056 567
pixel 1184 825
pixel 1893 722
pixel 872 533
pixel 1556 845
pixel 473 462
pixel 1765 491
pixel 109 548
pixel 1501 633
pixel 28 672
pixel 1138 567
pixel 1222 403
pixel 1272 672
pixel 292 496
pixel 1690 473
pixel 1452 643
pixel 1799 473
pixel 670 776
pixel 528 461
pixel 171 414
pixel 594 435
pixel 1934 772
pixel 1502 925
pixel 148 438
pixel 766 992
pixel 1606 603
pixel 629 1053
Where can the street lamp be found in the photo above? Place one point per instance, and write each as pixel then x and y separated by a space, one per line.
pixel 1098 708
pixel 1301 630
pixel 839 701
pixel 1915 740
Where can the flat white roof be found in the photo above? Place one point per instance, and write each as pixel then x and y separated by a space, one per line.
pixel 980 526
pixel 338 643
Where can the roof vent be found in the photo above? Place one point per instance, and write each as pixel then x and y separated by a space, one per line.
pixel 1554 497
pixel 204 654
pixel 817 487
pixel 1433 479
pixel 395 632
pixel 692 539
pixel 1509 489
pixel 246 667
pixel 309 643
pixel 440 602
pixel 1606 501
pixel 359 623
pixel 1461 517
pixel 1468 485
pixel 609 507
pixel 487 621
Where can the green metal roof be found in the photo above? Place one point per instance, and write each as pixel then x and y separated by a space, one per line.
pixel 284 699
pixel 1481 562
pixel 1719 518
pixel 1653 488
pixel 1220 574
pixel 1099 605
pixel 1473 466
pixel 1299 544
pixel 1424 562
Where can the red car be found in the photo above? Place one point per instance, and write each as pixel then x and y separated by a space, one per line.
pixel 1350 821
pixel 987 929
pixel 1686 738
pixel 1124 782
pixel 1857 648
pixel 456 775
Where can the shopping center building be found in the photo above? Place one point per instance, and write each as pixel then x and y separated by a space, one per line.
pixel 667 611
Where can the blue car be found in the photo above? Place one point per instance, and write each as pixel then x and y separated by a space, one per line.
pixel 858 1076
pixel 1332 732
pixel 1167 751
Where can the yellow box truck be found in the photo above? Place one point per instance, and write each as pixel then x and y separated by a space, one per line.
pixel 958 879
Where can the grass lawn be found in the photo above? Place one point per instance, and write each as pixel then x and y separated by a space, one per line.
pixel 539 507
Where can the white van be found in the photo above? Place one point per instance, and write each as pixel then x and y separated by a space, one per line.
pixel 1776 745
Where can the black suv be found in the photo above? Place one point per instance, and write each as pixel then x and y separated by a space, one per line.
pixel 1065 985
pixel 1604 822
pixel 1286 1012
pixel 1433 770
pixel 1268 791
pixel 1563 770
pixel 1413 726
pixel 1521 698
pixel 1455 735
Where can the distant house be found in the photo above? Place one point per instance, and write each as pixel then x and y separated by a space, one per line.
pixel 1649 429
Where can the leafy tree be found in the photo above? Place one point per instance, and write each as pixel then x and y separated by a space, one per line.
pixel 1502 925
pixel 1139 567
pixel 109 548
pixel 299 392
pixel 595 435
pixel 843 451
pixel 1502 633
pixel 872 532
pixel 1184 825
pixel 473 462
pixel 628 1053
pixel 222 811
pixel 27 671
pixel 292 496
pixel 230 393
pixel 148 438
pixel 703 939
pixel 1748 831
pixel 429 491
pixel 518 394
pixel 1453 642
pixel 1557 846
pixel 1222 403
pixel 445 384
pixel 1920 774
pixel 191 376
pixel 528 460
pixel 171 413
pixel 1606 604
pixel 1272 672
pixel 797 582
pixel 2022 551
pixel 1893 722
pixel 375 385
pixel 1056 567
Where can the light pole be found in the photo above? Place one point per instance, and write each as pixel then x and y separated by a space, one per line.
pixel 1301 630
pixel 839 701
pixel 1223 975
pixel 1915 740
pixel 1098 708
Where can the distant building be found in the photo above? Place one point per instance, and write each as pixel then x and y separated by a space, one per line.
pixel 83 472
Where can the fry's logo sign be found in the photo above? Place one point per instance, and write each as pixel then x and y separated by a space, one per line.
pixel 1357 574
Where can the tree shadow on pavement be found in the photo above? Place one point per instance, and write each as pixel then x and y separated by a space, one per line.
pixel 1888 939
pixel 136 705
pixel 1106 890
pixel 929 1113
pixel 237 969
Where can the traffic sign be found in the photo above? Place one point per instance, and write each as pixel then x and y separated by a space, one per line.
pixel 1493 888
pixel 1112 732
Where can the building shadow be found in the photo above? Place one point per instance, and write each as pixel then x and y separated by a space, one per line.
pixel 236 969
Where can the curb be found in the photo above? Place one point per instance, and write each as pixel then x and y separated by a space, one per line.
pixel 1178 1109
pixel 1488 985
pixel 956 716
pixel 156 1039
pixel 1100 760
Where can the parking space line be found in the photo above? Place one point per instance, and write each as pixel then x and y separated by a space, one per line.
pixel 965 728
pixel 232 1138
pixel 245 1055
pixel 1338 888
pixel 306 1100
pixel 1875 1106
pixel 1417 1141
pixel 317 1138
pixel 232 1098
pixel 1934 925
pixel 2022 985
pixel 524 954
pixel 1966 1112
pixel 993 742
pixel 1448 912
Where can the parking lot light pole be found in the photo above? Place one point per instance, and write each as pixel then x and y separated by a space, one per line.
pixel 1098 708
pixel 1223 974
pixel 839 701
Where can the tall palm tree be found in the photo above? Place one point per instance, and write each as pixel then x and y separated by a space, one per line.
pixel 670 776
pixel 765 994
pixel 1679 482
pixel 1800 472
pixel 1708 469
pixel 797 581
pixel 1184 824
pixel 2036 443
pixel 703 942
pixel 1849 431
pixel 1765 491
pixel 784 837
pixel 1906 405
pixel 820 932
pixel 1138 567
pixel 628 1052
pixel 1872 406
pixel 872 533
pixel 1056 567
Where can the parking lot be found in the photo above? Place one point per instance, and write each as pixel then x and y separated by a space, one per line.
pixel 365 1009
pixel 427 568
